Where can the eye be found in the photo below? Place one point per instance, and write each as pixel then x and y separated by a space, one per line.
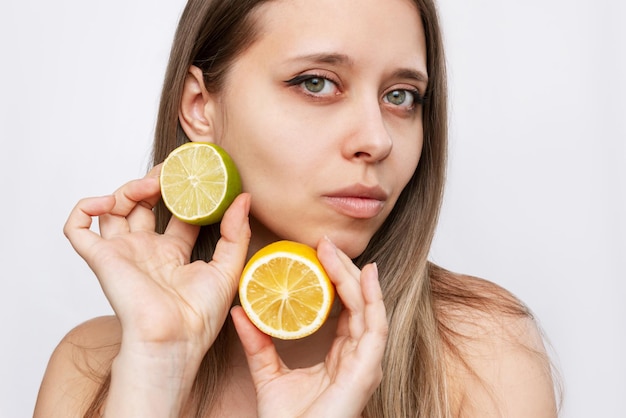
pixel 404 98
pixel 314 85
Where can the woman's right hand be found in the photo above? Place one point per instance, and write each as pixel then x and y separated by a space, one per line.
pixel 170 310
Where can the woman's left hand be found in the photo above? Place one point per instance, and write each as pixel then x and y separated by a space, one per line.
pixel 341 385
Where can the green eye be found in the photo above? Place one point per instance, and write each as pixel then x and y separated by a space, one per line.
pixel 315 84
pixel 398 97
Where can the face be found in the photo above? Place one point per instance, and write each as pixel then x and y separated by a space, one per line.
pixel 323 117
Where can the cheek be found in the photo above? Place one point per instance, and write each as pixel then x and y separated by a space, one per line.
pixel 418 155
pixel 268 170
pixel 408 154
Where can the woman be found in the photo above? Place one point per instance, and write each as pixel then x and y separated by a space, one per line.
pixel 336 119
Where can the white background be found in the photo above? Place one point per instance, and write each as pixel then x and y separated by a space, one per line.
pixel 537 185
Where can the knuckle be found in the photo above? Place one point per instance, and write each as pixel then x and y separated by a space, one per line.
pixel 378 375
pixel 66 231
pixel 383 332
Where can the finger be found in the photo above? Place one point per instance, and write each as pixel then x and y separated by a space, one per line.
pixel 232 248
pixel 143 193
pixel 185 232
pixel 127 198
pixel 141 217
pixel 155 171
pixel 362 373
pixel 263 359
pixel 78 224
pixel 149 197
pixel 371 346
pixel 346 280
pixel 346 261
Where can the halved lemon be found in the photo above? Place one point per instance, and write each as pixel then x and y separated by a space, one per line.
pixel 285 291
pixel 199 181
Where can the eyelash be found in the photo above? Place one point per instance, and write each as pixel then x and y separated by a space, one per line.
pixel 418 98
pixel 303 78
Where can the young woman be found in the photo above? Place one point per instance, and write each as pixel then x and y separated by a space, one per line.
pixel 335 114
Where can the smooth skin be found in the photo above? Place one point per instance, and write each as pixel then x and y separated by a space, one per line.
pixel 165 336
pixel 297 148
pixel 324 124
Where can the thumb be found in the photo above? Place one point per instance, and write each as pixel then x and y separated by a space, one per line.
pixel 231 249
pixel 263 359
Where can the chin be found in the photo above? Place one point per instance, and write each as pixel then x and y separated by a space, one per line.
pixel 351 242
pixel 351 246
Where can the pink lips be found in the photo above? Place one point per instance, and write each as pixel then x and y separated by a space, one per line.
pixel 358 201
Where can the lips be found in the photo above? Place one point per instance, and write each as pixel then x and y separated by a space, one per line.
pixel 358 201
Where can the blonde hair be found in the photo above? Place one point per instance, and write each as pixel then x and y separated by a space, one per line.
pixel 210 35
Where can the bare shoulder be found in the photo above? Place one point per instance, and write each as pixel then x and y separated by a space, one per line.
pixel 77 367
pixel 497 364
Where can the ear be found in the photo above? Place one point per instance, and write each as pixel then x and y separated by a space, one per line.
pixel 197 108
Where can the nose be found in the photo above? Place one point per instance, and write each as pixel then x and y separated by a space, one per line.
pixel 368 138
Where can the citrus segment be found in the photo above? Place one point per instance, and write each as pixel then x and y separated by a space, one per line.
pixel 285 291
pixel 199 181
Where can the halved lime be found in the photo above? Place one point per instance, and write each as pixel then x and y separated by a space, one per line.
pixel 199 181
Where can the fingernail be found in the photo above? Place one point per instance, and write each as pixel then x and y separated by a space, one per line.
pixel 330 242
pixel 248 201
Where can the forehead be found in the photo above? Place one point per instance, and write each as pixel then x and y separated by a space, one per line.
pixel 368 31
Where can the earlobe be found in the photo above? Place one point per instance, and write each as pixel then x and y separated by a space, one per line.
pixel 196 112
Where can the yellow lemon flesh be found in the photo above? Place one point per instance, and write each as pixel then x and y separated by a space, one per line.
pixel 285 291
pixel 199 181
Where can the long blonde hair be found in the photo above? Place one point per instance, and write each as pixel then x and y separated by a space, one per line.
pixel 210 35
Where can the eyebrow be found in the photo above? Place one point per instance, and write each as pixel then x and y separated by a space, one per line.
pixel 411 74
pixel 326 58
pixel 342 59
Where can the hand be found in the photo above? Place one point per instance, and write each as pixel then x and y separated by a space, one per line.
pixel 160 298
pixel 342 385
